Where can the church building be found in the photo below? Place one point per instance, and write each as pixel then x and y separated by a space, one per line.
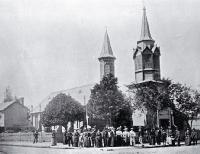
pixel 81 93
pixel 146 57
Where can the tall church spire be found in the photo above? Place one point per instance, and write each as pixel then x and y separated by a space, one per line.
pixel 145 32
pixel 106 58
pixel 146 55
pixel 106 49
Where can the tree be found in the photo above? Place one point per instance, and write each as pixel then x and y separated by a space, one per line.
pixel 108 103
pixel 159 95
pixel 150 96
pixel 186 100
pixel 60 110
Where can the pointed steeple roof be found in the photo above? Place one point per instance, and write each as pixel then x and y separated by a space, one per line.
pixel 145 32
pixel 106 49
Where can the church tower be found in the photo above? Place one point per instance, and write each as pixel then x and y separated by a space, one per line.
pixel 106 58
pixel 146 55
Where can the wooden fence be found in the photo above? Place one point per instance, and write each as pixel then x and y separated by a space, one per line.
pixel 22 136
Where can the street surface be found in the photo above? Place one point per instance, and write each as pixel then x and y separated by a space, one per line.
pixel 129 150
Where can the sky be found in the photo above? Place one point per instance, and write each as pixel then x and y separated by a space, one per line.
pixel 51 45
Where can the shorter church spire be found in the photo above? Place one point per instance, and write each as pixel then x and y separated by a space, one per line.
pixel 145 32
pixel 106 49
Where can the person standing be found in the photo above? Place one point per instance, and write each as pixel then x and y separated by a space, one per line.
pixel 193 136
pixel 35 135
pixel 152 136
pixel 53 140
pixel 105 137
pixel 112 137
pixel 187 137
pixel 119 136
pixel 93 135
pixel 76 138
pixel 177 136
pixel 98 139
pixel 132 137
pixel 69 139
pixel 81 140
pixel 126 136
pixel 158 136
pixel 164 136
pixel 140 134
pixel 86 138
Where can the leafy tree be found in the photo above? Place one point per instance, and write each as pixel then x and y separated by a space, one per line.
pixel 159 95
pixel 60 110
pixel 186 100
pixel 107 103
pixel 151 96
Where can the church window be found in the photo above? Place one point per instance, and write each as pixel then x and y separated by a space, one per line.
pixel 138 62
pixel 156 62
pixel 147 61
pixel 107 69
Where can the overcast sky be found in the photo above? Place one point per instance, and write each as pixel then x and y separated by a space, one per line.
pixel 50 45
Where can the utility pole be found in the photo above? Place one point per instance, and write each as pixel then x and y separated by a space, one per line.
pixel 157 118
pixel 86 115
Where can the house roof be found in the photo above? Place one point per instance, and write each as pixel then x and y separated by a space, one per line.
pixel 5 105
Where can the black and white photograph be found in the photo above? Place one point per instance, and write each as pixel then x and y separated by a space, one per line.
pixel 99 76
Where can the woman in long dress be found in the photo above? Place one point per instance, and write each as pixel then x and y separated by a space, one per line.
pixel 187 137
pixel 98 139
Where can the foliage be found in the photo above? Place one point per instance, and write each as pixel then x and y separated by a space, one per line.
pixel 62 109
pixel 108 103
pixel 186 100
pixel 151 95
pixel 159 95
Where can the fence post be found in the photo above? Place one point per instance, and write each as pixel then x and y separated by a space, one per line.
pixel 20 136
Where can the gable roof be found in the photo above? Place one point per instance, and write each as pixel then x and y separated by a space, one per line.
pixel 5 105
pixel 77 93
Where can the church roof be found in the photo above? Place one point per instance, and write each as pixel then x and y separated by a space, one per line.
pixel 106 49
pixel 77 93
pixel 145 32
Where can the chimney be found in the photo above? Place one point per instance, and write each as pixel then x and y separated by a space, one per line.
pixel 21 100
pixel 31 108
pixel 40 107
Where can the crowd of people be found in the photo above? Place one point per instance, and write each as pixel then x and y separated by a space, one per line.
pixel 110 137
